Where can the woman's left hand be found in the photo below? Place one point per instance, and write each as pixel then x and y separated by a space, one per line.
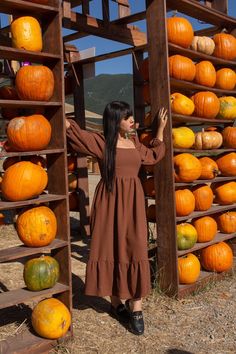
pixel 163 117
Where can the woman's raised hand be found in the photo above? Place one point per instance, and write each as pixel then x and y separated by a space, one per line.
pixel 67 124
pixel 162 117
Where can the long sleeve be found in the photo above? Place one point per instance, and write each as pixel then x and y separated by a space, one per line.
pixel 150 155
pixel 85 142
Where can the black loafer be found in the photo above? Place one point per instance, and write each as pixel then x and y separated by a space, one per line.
pixel 136 323
pixel 121 313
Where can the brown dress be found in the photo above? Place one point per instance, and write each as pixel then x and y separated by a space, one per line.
pixel 118 264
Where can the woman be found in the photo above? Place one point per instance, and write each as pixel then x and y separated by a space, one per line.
pixel 118 265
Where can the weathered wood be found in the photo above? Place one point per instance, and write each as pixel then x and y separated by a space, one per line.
pixel 220 5
pixel 22 55
pixel 85 7
pixel 105 12
pixel 139 111
pixel 213 210
pixel 22 7
pixel 28 104
pixel 43 198
pixel 29 153
pixel 181 118
pixel 163 172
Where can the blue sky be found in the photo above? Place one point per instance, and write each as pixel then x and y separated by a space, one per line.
pixel 122 64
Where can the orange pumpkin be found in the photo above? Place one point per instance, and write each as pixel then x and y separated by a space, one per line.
pixel 9 161
pixel 225 193
pixel 187 168
pixel 184 201
pixel 73 201
pixel 35 82
pixel 203 197
pixel 206 228
pixel 145 138
pixel 225 79
pixel 227 164
pixel 179 31
pixel 209 168
pixel 2 219
pixel 26 34
pixel 227 222
pixel 148 187
pixel 29 133
pixel 23 180
pixel 188 268
pixel 225 46
pixel 217 258
pixel 229 137
pixel 207 104
pixel 144 69
pixel 205 73
pixel 37 227
pixel 181 104
pixel 51 318
pixel 181 68
pixel 72 181
pixel 71 163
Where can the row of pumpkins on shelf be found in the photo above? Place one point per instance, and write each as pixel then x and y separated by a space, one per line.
pixel 215 258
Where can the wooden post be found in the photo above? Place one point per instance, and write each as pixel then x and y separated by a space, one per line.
pixel 220 5
pixel 163 172
pixel 139 109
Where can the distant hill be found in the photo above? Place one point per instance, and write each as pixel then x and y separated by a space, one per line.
pixel 104 88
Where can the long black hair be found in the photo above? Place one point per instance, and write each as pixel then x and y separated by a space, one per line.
pixel 113 113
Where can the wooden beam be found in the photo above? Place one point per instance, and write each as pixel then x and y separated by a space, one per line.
pixel 93 26
pixel 105 11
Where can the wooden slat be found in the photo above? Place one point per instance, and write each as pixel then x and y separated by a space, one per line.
pixel 191 87
pixel 26 7
pixel 21 251
pixel 203 181
pixel 15 297
pixel 218 238
pixel 213 210
pixel 43 198
pixel 130 19
pixel 28 104
pixel 29 153
pixel 212 151
pixel 175 49
pixel 192 119
pixel 197 10
pixel 22 55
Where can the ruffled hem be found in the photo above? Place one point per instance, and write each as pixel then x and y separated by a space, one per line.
pixel 124 280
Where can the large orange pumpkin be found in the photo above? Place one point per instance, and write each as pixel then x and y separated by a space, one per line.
pixel 205 73
pixel 188 268
pixel 179 31
pixel 229 137
pixel 181 68
pixel 206 228
pixel 181 104
pixel 207 104
pixel 225 46
pixel 227 164
pixel 35 82
pixel 23 180
pixel 37 227
pixel 225 193
pixel 51 318
pixel 187 168
pixel 203 197
pixel 227 222
pixel 225 79
pixel 26 34
pixel 184 201
pixel 217 258
pixel 29 133
pixel 209 168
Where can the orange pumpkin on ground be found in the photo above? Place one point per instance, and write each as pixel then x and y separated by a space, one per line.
pixel 35 82
pixel 26 34
pixel 229 137
pixel 51 318
pixel 181 68
pixel 208 139
pixel 205 73
pixel 181 104
pixel 23 180
pixel 187 168
pixel 209 168
pixel 203 197
pixel 148 187
pixel 179 31
pixel 188 268
pixel 206 228
pixel 217 258
pixel 225 193
pixel 227 222
pixel 37 227
pixel 227 164
pixel 225 79
pixel 29 133
pixel 207 104
pixel 225 46
pixel 184 202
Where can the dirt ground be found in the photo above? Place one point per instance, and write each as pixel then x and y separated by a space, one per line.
pixel 203 323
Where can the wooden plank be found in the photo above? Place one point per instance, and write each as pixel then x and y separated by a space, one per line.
pixel 105 12
pixel 25 7
pixel 28 104
pixel 220 5
pixel 218 238
pixel 201 12
pixel 139 16
pixel 213 210
pixel 15 297
pixel 163 172
pixel 192 119
pixel 139 111
pixel 43 198
pixel 96 27
pixel 22 55
pixel 30 153
pixel 213 151
pixel 22 251
pixel 85 7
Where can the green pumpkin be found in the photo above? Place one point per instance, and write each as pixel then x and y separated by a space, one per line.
pixel 227 108
pixel 41 273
